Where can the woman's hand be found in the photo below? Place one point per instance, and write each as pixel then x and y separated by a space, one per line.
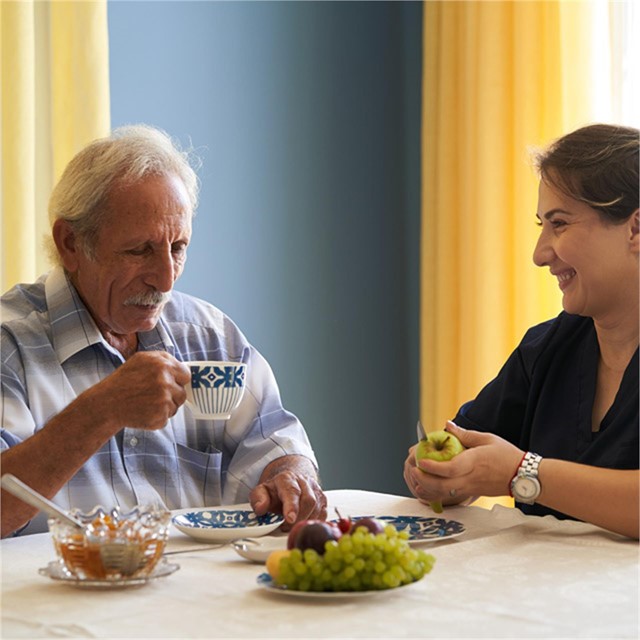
pixel 485 468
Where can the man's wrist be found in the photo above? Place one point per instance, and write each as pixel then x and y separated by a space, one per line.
pixel 294 462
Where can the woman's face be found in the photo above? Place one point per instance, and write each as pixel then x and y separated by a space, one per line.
pixel 595 261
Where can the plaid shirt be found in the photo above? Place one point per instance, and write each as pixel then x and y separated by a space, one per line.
pixel 52 351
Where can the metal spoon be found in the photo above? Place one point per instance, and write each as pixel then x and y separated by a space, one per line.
pixel 20 490
pixel 242 541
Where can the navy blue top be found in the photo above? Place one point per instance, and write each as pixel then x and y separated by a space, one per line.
pixel 542 400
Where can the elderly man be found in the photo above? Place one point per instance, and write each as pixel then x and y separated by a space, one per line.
pixel 92 386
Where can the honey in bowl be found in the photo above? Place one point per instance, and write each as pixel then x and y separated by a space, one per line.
pixel 114 545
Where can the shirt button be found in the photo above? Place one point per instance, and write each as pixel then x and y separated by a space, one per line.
pixel 134 441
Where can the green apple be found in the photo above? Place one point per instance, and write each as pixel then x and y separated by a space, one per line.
pixel 440 446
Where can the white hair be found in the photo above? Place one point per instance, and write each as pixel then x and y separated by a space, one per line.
pixel 128 155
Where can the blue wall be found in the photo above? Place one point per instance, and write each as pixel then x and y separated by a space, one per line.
pixel 307 118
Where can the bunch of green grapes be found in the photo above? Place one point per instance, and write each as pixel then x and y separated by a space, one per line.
pixel 359 561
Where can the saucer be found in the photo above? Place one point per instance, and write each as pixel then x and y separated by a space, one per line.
pixel 57 571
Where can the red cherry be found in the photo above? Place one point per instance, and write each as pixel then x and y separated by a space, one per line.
pixel 344 524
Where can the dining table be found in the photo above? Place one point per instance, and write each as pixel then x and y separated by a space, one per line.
pixel 506 575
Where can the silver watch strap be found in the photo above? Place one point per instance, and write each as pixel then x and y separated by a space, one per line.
pixel 530 464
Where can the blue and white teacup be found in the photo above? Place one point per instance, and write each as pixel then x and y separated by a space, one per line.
pixel 216 388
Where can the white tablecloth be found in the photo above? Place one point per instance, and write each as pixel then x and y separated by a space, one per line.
pixel 508 575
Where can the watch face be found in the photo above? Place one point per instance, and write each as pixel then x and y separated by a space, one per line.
pixel 526 487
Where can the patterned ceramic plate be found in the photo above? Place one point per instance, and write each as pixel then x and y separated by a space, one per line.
pixel 224 525
pixel 56 571
pixel 423 529
pixel 265 581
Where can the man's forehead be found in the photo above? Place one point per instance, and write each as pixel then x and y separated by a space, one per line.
pixel 159 194
pixel 134 184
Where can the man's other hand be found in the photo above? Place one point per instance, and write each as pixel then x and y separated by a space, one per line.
pixel 289 485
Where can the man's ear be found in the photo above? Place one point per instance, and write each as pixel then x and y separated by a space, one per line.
pixel 66 243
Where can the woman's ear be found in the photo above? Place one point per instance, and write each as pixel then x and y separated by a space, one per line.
pixel 66 243
pixel 634 227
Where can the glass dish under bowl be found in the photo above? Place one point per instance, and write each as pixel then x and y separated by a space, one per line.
pixel 114 545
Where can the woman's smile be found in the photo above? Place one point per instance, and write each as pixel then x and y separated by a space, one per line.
pixel 565 278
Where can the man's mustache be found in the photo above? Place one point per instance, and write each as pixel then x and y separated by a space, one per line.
pixel 148 299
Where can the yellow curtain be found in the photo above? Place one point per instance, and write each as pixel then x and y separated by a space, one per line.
pixel 498 77
pixel 55 99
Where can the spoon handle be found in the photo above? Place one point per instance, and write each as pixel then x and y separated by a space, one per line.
pixel 20 490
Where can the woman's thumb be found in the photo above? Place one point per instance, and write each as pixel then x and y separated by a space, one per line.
pixel 467 438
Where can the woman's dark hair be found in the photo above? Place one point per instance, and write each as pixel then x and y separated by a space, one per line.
pixel 598 165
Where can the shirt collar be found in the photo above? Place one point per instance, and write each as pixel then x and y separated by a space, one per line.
pixel 72 327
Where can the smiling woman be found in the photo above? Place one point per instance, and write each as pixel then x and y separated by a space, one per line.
pixel 587 195
pixel 569 391
pixel 581 248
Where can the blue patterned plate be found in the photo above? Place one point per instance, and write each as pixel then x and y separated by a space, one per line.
pixel 224 524
pixel 424 529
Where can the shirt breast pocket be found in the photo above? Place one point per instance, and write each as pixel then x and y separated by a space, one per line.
pixel 200 474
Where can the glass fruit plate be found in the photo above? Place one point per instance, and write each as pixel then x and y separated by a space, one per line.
pixel 57 571
pixel 265 581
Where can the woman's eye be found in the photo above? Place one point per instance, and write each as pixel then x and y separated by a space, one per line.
pixel 554 222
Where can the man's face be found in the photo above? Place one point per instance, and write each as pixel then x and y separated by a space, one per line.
pixel 140 253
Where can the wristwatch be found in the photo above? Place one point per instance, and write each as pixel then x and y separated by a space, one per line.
pixel 525 486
